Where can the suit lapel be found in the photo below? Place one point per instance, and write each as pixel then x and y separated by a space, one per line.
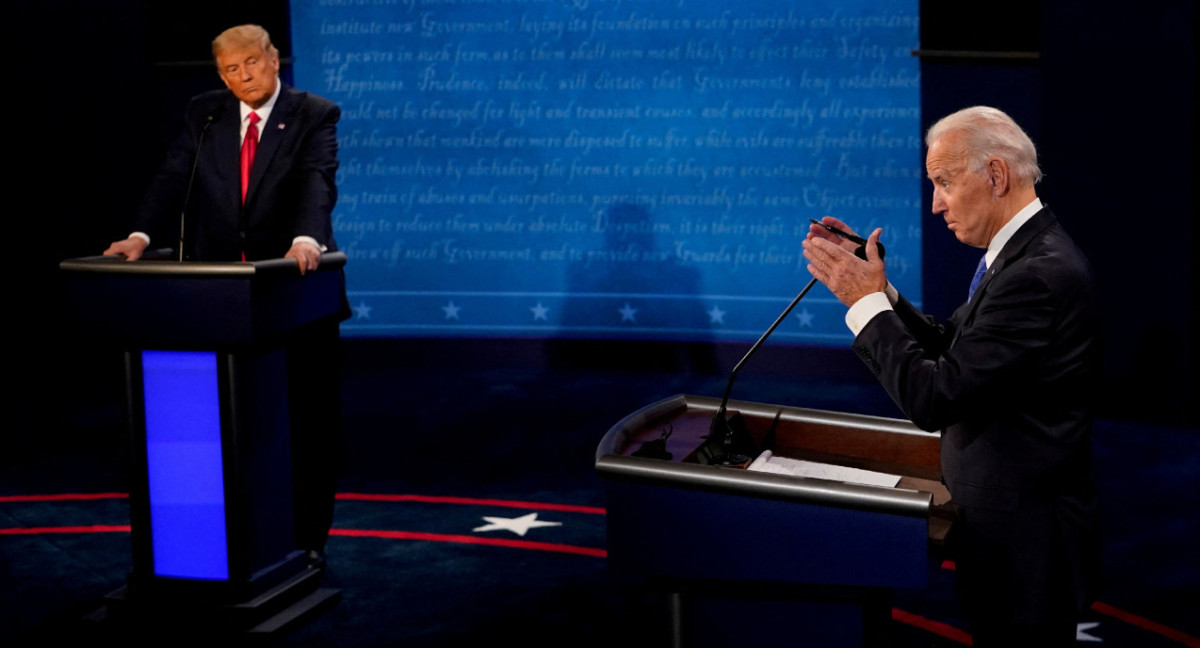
pixel 224 144
pixel 271 137
pixel 1011 250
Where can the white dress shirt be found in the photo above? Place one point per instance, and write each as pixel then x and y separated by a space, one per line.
pixel 868 307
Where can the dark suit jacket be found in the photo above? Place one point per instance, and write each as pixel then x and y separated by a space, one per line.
pixel 1011 379
pixel 292 193
pixel 292 185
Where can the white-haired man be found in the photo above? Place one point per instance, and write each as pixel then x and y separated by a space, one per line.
pixel 1010 379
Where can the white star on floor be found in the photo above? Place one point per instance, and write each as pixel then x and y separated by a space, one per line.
pixel 1081 632
pixel 451 311
pixel 362 311
pixel 805 318
pixel 628 313
pixel 519 525
pixel 716 315
pixel 539 312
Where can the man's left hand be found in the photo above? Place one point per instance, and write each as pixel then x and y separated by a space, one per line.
pixel 848 277
pixel 306 254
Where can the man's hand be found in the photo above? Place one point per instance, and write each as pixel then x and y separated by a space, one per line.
pixel 306 254
pixel 130 248
pixel 833 263
pixel 820 232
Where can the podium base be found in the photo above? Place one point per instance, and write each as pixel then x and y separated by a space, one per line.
pixel 285 606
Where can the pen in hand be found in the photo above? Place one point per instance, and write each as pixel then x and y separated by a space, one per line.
pixel 858 240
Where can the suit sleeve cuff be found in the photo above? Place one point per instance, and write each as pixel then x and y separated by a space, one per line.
pixel 865 309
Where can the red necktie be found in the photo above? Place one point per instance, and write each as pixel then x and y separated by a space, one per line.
pixel 249 148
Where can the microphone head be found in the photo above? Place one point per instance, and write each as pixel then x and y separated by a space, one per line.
pixel 861 251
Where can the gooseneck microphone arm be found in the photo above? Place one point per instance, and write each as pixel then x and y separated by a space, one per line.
pixel 187 196
pixel 719 424
pixel 719 430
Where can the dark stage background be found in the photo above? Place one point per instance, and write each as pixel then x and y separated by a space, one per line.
pixel 1106 90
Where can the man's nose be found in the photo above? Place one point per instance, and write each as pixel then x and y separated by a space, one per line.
pixel 939 205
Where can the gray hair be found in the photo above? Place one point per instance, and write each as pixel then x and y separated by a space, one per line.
pixel 989 133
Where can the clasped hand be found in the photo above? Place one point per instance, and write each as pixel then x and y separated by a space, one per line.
pixel 831 260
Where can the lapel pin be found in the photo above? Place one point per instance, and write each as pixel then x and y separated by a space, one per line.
pixel 281 126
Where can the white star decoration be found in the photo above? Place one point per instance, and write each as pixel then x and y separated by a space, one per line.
pixel 539 312
pixel 451 311
pixel 805 318
pixel 1081 632
pixel 716 315
pixel 628 313
pixel 362 311
pixel 518 525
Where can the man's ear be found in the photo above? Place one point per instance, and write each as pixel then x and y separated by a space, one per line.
pixel 998 175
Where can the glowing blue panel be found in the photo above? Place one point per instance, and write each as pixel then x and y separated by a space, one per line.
pixel 183 456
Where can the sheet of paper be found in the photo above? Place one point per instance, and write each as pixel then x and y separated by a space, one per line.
pixel 767 462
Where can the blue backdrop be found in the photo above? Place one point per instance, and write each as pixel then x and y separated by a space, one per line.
pixel 614 169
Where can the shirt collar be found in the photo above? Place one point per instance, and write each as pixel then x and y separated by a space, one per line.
pixel 1011 228
pixel 264 112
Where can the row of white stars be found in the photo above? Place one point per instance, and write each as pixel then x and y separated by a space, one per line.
pixel 628 313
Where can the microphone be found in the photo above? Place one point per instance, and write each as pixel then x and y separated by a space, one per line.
pixel 209 120
pixel 728 440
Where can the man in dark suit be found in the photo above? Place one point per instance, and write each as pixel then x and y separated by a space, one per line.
pixel 282 208
pixel 265 158
pixel 1010 379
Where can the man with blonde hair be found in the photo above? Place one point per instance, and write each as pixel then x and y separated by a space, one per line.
pixel 253 174
pixel 241 206
pixel 1010 380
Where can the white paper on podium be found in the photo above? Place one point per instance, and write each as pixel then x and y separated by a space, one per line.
pixel 767 462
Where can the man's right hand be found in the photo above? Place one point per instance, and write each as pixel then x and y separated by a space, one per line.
pixel 816 231
pixel 130 248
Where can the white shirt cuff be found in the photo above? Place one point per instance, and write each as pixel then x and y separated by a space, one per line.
pixel 311 241
pixel 142 235
pixel 865 309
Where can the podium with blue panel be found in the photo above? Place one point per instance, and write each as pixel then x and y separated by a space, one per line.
pixel 206 382
pixel 755 558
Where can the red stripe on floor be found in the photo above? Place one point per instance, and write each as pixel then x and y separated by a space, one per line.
pixel 97 528
pixel 936 627
pixel 432 499
pixel 1146 624
pixel 62 497
pixel 463 539
pixel 1131 619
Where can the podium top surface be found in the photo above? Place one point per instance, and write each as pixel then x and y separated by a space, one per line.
pixel 149 304
pixel 855 440
pixel 116 265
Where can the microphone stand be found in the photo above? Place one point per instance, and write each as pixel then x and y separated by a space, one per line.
pixel 719 431
pixel 187 196
pixel 723 441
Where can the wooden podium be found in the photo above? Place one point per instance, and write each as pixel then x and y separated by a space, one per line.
pixel 754 558
pixel 206 382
